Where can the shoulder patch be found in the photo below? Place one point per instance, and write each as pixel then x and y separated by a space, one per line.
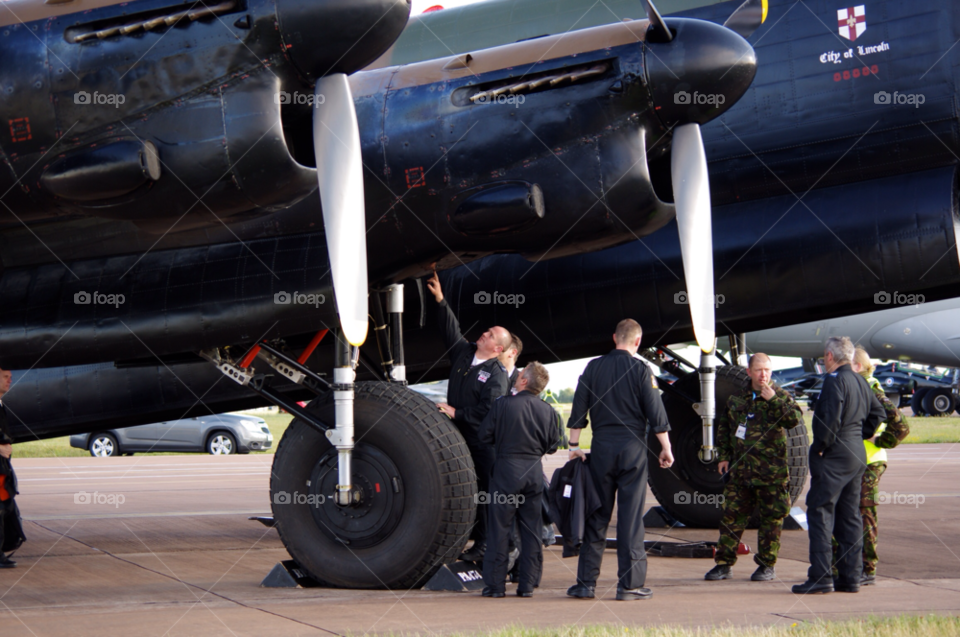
pixel 483 376
pixel 833 373
pixel 653 381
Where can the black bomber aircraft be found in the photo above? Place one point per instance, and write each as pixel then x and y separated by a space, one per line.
pixel 834 181
pixel 195 194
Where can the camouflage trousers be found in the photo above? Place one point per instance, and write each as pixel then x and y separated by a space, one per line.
pixel 770 501
pixel 868 511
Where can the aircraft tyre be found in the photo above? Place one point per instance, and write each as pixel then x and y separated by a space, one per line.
pixel 916 402
pixel 689 489
pixel 416 482
pixel 939 401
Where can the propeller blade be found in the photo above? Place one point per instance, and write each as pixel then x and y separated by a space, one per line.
pixel 658 31
pixel 691 192
pixel 747 18
pixel 336 143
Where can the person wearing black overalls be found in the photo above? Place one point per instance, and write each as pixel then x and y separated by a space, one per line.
pixel 476 380
pixel 621 396
pixel 522 428
pixel 847 413
pixel 8 480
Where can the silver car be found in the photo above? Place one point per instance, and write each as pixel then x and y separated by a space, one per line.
pixel 217 434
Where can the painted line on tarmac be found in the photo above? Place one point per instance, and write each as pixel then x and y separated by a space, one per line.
pixel 133 462
pixel 191 475
pixel 177 514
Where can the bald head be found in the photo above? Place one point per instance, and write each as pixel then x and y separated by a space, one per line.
pixel 627 335
pixel 492 342
pixel 759 357
pixel 760 371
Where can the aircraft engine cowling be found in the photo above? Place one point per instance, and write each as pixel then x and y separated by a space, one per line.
pixel 341 36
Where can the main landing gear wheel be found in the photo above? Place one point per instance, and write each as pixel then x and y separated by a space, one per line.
pixel 414 479
pixel 689 488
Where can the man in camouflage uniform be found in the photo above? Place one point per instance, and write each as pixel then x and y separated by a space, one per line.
pixel 752 446
pixel 892 430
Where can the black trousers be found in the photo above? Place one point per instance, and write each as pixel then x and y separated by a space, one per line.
pixel 833 510
pixel 483 456
pixel 6 508
pixel 516 490
pixel 618 465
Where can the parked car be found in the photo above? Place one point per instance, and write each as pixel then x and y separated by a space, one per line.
pixel 220 434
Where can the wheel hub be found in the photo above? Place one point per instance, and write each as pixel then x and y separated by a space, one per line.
pixel 703 475
pixel 377 502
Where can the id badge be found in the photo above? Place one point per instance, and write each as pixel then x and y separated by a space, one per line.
pixel 742 431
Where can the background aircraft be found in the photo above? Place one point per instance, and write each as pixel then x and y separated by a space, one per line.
pixel 926 333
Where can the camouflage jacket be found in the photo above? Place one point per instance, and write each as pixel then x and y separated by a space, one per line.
pixel 762 453
pixel 894 427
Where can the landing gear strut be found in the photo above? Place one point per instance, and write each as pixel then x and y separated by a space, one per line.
pixel 371 486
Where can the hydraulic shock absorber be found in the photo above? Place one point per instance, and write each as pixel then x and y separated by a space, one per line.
pixel 342 436
pixel 395 309
pixel 707 407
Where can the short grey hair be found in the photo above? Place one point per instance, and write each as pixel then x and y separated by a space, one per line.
pixel 841 347
pixel 537 377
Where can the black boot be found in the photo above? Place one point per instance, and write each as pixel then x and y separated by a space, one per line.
pixel 632 594
pixel 813 587
pixel 718 572
pixel 842 586
pixel 764 574
pixel 489 592
pixel 581 591
pixel 868 579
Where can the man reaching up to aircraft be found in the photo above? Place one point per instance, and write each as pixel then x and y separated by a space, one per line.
pixel 476 380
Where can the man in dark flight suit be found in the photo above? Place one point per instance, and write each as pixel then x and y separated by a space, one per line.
pixel 476 380
pixel 620 394
pixel 522 428
pixel 8 486
pixel 847 413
